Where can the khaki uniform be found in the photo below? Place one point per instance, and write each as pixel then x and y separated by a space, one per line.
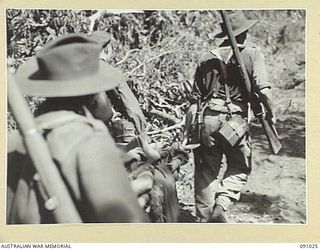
pixel 208 157
pixel 132 107
pixel 130 103
pixel 90 165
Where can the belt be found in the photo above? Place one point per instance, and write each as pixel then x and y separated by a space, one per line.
pixel 220 106
pixel 209 112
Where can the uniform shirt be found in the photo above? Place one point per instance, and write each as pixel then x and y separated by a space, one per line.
pixel 90 165
pixel 209 74
pixel 131 105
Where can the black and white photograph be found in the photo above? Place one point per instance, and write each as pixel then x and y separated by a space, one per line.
pixel 156 116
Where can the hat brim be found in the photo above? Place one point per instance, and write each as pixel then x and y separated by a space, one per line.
pixel 247 25
pixel 106 78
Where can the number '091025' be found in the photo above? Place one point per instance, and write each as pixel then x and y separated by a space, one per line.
pixel 309 246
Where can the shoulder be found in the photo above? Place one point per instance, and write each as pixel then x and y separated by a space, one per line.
pixel 100 141
pixel 67 133
pixel 253 55
pixel 93 136
pixel 208 61
pixel 252 51
pixel 252 48
pixel 208 56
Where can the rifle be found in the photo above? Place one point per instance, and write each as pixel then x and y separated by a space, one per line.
pixel 259 107
pixel 58 200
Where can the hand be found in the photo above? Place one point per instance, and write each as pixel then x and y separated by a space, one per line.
pixel 135 154
pixel 150 153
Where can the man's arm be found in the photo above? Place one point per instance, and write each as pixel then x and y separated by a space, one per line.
pixel 266 99
pixel 132 106
pixel 262 86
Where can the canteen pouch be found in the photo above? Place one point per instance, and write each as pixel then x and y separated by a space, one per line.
pixel 234 129
pixel 193 126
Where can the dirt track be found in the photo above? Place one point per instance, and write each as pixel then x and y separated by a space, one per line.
pixel 276 190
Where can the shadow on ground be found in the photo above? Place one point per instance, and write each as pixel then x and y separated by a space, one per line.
pixel 257 208
pixel 292 136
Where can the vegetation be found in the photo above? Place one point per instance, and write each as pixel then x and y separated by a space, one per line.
pixel 158 52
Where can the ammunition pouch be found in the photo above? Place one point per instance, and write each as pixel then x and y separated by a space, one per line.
pixel 234 129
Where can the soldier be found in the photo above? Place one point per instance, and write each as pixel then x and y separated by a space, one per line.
pixel 122 97
pixel 225 109
pixel 69 74
pixel 152 181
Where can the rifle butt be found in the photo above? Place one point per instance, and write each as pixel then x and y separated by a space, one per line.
pixel 272 136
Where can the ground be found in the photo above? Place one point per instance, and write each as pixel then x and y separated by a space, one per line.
pixel 276 189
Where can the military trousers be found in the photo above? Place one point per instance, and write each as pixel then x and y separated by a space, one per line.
pixel 213 186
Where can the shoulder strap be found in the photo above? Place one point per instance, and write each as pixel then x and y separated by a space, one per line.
pixel 225 80
pixel 213 88
pixel 226 86
pixel 64 117
pixel 214 85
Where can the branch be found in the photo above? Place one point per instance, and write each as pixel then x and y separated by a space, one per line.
pixel 160 98
pixel 152 58
pixel 170 118
pixel 34 24
pixel 287 108
pixel 99 13
pixel 94 18
pixel 178 125
pixel 166 106
pixel 161 105
pixel 126 56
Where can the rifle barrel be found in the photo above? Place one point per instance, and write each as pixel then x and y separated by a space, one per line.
pixel 64 211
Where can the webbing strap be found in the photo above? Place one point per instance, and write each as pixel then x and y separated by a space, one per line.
pixel 226 86
pixel 214 89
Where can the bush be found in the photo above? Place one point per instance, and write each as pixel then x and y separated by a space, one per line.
pixel 159 50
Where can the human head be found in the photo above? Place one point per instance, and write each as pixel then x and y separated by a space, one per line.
pixel 240 39
pixel 68 72
pixel 240 26
pixel 68 66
